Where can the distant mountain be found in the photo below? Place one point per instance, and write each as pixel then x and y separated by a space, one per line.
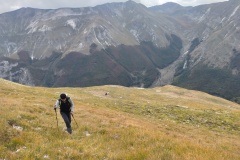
pixel 211 57
pixel 81 46
pixel 126 44
pixel 40 32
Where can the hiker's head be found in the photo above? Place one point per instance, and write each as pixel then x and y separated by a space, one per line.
pixel 63 96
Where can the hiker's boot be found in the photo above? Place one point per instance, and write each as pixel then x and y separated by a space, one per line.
pixel 69 130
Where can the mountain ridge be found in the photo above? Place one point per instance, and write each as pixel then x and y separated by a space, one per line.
pixel 184 41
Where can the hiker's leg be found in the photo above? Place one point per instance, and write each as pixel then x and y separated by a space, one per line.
pixel 69 129
pixel 67 121
pixel 69 117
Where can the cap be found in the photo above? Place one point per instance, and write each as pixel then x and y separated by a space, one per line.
pixel 63 96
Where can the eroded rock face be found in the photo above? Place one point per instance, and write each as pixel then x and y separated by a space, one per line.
pixel 11 71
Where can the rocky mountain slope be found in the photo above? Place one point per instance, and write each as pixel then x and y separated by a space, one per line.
pixel 211 58
pixel 114 32
pixel 126 44
pixel 65 30
pixel 214 30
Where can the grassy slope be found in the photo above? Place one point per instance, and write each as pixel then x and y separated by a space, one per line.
pixel 129 123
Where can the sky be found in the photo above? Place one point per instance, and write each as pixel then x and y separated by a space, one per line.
pixel 10 5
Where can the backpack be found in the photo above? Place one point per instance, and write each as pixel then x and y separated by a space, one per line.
pixel 65 107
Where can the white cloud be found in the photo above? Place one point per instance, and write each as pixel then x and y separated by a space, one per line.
pixel 181 2
pixel 196 2
pixel 10 5
pixel 15 7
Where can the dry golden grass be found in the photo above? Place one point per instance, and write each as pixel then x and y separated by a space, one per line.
pixel 129 123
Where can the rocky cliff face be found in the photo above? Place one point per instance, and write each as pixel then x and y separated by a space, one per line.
pixel 120 43
pixel 210 35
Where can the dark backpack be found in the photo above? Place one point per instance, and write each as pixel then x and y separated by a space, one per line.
pixel 65 107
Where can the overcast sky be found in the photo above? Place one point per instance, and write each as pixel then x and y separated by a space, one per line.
pixel 9 5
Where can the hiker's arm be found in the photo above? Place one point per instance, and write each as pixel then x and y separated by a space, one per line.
pixel 72 106
pixel 57 104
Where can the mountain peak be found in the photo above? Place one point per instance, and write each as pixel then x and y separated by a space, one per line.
pixel 133 3
pixel 130 1
pixel 167 7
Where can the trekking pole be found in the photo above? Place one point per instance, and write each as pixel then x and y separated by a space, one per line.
pixel 56 117
pixel 74 120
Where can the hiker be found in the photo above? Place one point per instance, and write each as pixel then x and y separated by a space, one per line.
pixel 66 109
